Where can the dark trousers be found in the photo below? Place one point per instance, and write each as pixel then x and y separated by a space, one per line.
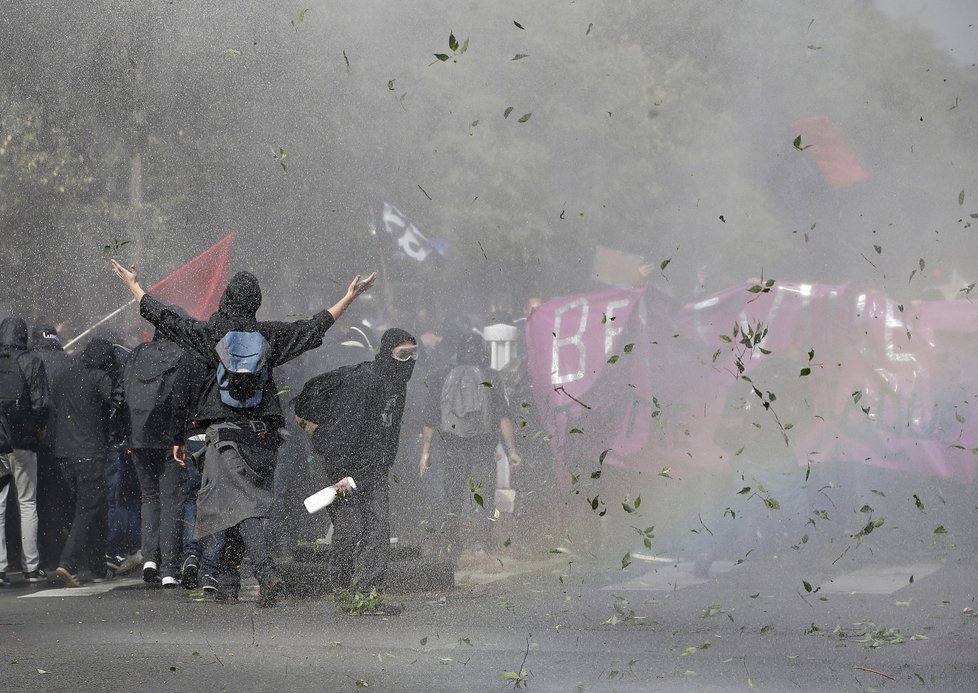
pixel 360 548
pixel 53 512
pixel 465 460
pixel 162 505
pixel 248 538
pixel 122 487
pixel 85 546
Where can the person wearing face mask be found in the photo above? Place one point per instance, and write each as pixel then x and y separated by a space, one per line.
pixel 361 408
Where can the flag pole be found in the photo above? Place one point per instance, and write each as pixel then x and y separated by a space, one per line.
pixel 106 318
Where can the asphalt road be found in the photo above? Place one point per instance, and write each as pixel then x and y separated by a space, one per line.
pixel 565 622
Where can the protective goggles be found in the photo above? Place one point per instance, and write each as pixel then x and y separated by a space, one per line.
pixel 405 353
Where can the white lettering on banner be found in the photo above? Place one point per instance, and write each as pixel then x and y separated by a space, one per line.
pixel 574 340
pixel 611 329
pixel 409 239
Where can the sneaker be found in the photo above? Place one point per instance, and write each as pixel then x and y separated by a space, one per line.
pixel 36 576
pixel 208 584
pixel 130 563
pixel 169 582
pixel 151 572
pixel 113 562
pixel 70 579
pixel 189 573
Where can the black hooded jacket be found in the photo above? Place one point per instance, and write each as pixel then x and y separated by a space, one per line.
pixel 24 392
pixel 239 304
pixel 152 379
pixel 84 398
pixel 358 436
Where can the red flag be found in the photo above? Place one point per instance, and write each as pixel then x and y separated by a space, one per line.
pixel 197 286
pixel 832 154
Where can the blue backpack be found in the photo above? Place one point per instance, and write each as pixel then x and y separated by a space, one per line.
pixel 244 368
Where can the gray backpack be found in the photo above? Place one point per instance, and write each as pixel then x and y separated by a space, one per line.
pixel 465 405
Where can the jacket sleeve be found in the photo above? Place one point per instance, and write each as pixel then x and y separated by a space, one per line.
pixel 182 400
pixel 189 333
pixel 292 339
pixel 40 395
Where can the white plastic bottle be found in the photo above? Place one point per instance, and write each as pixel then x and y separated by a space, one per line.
pixel 321 499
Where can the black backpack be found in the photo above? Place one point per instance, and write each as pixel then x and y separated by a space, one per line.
pixel 12 394
pixel 315 404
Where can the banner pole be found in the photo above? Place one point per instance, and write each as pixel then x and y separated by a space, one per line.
pixel 107 317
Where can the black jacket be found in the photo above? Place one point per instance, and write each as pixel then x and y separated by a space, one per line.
pixel 359 431
pixel 237 312
pixel 151 380
pixel 26 408
pixel 84 398
pixel 45 346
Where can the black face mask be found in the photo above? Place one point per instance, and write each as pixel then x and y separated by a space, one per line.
pixel 388 368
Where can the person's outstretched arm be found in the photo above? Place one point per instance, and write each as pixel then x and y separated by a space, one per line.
pixel 357 287
pixel 129 278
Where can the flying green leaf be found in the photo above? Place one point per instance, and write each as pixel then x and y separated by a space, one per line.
pixel 442 56
pixel 664 264
pixel 231 53
pixel 300 19
pixel 575 430
pixel 452 42
pixel 390 84
pixel 509 109
pixel 518 25
pixel 940 530
pixel 626 560
pixel 520 56
pixel 797 144
pixel 772 504
pixel 917 502
pixel 804 372
pixel 525 117
pixel 486 383
pixel 628 348
pixel 807 585
pixel 961 197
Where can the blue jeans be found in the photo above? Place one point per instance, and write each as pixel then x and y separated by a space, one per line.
pixel 122 490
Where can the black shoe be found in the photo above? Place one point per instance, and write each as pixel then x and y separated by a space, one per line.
pixel 268 595
pixel 226 597
pixel 68 577
pixel 36 576
pixel 189 573
pixel 208 584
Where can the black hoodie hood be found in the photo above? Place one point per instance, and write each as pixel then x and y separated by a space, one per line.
pixel 13 335
pixel 242 297
pixel 99 354
pixel 386 366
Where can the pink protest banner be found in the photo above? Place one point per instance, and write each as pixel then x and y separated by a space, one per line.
pixel 871 382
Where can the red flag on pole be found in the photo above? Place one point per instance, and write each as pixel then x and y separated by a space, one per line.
pixel 197 286
pixel 833 155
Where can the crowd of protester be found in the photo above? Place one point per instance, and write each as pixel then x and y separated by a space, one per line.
pixel 121 460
